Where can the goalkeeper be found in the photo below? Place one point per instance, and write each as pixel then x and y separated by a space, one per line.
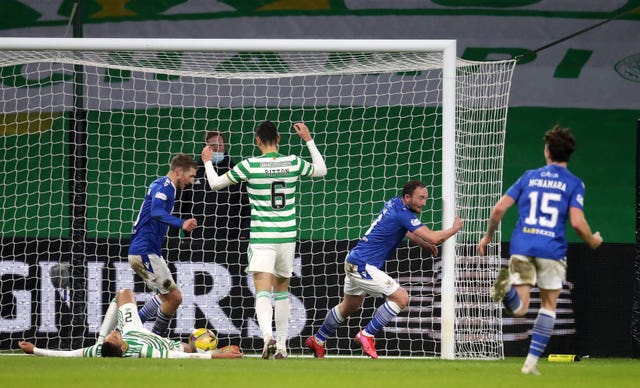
pixel 131 338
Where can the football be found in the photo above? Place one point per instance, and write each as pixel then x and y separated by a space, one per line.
pixel 203 339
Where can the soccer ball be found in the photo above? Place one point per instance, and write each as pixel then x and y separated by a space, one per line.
pixel 203 339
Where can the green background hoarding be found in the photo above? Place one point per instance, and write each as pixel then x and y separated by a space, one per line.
pixel 367 164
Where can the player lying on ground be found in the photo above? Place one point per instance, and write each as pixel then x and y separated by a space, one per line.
pixel 131 339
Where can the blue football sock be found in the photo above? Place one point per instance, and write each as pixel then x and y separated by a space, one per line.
pixel 542 330
pixel 332 321
pixel 383 315
pixel 161 327
pixel 150 309
pixel 512 300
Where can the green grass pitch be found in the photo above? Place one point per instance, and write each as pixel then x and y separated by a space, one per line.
pixel 31 371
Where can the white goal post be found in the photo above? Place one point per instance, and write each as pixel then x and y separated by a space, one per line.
pixel 89 123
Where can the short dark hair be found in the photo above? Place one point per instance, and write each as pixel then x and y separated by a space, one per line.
pixel 213 133
pixel 560 142
pixel 110 350
pixel 411 186
pixel 183 161
pixel 267 132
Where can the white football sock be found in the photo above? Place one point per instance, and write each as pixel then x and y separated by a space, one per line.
pixel 264 313
pixel 282 316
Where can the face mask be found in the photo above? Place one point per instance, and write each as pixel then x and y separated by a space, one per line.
pixel 217 157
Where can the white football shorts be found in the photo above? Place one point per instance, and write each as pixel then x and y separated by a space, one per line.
pixel 128 318
pixel 547 274
pixel 128 321
pixel 276 259
pixel 154 271
pixel 371 281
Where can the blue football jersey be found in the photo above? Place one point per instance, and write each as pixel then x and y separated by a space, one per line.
pixel 385 234
pixel 154 218
pixel 544 197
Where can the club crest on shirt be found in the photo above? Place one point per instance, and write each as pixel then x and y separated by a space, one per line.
pixel 629 68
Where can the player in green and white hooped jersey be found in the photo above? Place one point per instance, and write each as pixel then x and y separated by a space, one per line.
pixel 271 184
pixel 132 339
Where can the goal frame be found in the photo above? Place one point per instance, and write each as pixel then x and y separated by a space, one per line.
pixel 446 46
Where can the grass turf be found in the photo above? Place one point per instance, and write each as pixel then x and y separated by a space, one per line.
pixel 31 371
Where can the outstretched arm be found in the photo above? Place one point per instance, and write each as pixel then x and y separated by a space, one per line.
pixel 438 236
pixel 30 348
pixel 26 346
pixel 494 221
pixel 424 244
pixel 319 167
pixel 581 226
pixel 215 182
pixel 229 351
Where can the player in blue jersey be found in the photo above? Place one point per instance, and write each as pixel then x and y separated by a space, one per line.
pixel 147 237
pixel 546 197
pixel 363 267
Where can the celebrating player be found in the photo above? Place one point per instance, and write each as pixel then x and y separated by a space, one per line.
pixel 545 197
pixel 364 262
pixel 271 184
pixel 132 339
pixel 149 230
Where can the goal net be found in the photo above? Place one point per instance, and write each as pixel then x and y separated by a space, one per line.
pixel 88 124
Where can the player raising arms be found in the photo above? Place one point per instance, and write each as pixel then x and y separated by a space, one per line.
pixel 149 231
pixel 545 197
pixel 363 264
pixel 271 184
pixel 132 339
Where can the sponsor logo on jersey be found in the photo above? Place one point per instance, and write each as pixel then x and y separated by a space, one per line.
pixel 161 196
pixel 539 232
pixel 548 174
pixel 415 222
pixel 275 164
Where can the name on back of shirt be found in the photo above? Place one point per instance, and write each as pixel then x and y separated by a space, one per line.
pixel 276 172
pixel 547 184
pixel 276 167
